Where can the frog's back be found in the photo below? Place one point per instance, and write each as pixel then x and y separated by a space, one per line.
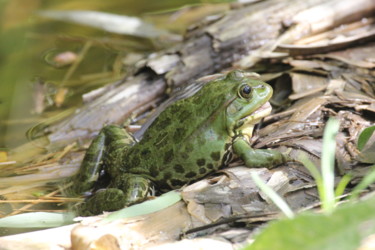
pixel 182 144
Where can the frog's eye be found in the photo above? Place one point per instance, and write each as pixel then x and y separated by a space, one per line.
pixel 245 91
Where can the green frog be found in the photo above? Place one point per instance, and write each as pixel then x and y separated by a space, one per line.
pixel 190 139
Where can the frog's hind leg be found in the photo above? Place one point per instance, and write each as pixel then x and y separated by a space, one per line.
pixel 106 148
pixel 123 191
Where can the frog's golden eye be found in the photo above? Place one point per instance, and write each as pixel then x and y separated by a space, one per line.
pixel 245 91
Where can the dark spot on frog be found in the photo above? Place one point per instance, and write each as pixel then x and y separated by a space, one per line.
pixel 134 151
pixel 202 170
pixel 178 134
pixel 189 148
pixel 201 162
pixel 135 161
pixel 190 175
pixel 215 156
pixel 168 156
pixel 163 123
pixel 240 123
pixel 167 175
pixel 210 166
pixel 176 183
pixel 179 169
pixel 183 115
pixel 154 171
pixel 147 136
pixel 145 152
pixel 184 155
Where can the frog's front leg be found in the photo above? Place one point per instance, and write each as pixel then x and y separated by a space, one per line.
pixel 258 157
pixel 123 191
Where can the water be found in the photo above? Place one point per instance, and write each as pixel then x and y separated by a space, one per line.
pixel 28 83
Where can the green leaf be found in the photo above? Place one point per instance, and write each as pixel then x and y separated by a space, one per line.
pixel 147 207
pixel 344 229
pixel 364 137
pixel 37 220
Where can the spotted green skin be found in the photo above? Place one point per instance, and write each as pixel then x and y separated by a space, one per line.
pixel 189 140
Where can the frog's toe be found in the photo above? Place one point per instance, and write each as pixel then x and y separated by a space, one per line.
pixel 110 199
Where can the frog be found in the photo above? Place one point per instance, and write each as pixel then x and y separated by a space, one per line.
pixel 191 139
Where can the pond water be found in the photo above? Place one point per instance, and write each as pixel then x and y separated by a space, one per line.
pixel 32 88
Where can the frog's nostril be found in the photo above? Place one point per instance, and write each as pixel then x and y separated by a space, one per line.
pixel 261 86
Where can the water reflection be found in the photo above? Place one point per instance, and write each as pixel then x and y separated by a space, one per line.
pixel 29 83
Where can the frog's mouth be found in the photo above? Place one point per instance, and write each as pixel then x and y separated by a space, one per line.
pixel 261 112
pixel 252 119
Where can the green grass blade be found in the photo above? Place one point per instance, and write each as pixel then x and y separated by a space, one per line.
pixel 311 167
pixel 314 172
pixel 365 182
pixel 37 220
pixel 276 199
pixel 342 185
pixel 328 163
pixel 146 207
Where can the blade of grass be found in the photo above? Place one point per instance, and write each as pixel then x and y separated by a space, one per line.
pixel 365 182
pixel 328 162
pixel 342 185
pixel 146 207
pixel 276 199
pixel 37 220
pixel 314 172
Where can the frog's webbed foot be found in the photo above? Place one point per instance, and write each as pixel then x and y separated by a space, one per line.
pixel 109 199
pixel 105 149
pixel 258 157
pixel 124 191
